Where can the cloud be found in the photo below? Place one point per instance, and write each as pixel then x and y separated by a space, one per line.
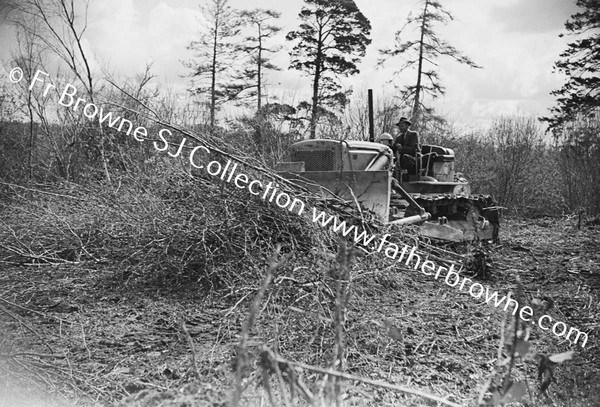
pixel 533 16
pixel 516 41
pixel 114 32
pixel 127 35
pixel 169 31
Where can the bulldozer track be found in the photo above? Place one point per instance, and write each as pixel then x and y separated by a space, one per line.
pixel 453 207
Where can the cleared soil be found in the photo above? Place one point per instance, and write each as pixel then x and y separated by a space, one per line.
pixel 89 333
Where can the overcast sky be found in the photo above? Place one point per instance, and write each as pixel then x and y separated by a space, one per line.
pixel 515 41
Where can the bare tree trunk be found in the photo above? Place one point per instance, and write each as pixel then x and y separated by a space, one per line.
pixel 213 83
pixel 30 108
pixel 315 97
pixel 259 115
pixel 70 18
pixel 259 71
pixel 417 101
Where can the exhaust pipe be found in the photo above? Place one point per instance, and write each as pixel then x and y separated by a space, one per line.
pixel 371 120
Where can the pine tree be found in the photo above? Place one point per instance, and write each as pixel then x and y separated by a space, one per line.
pixel 212 68
pixel 256 45
pixel 423 52
pixel 333 36
pixel 580 96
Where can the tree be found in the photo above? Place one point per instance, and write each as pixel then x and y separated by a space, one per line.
pixel 424 52
pixel 333 36
pixel 580 163
pixel 29 58
pixel 57 27
pixel 255 45
pixel 580 62
pixel 215 54
pixel 574 120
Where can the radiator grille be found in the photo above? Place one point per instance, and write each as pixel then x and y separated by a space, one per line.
pixel 315 160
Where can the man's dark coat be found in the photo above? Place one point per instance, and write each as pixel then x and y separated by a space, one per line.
pixel 409 141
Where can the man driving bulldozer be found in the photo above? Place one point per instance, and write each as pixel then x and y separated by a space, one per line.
pixel 406 146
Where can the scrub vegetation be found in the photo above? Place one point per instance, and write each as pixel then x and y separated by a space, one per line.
pixel 128 276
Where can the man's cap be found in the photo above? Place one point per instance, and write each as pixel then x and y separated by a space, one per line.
pixel 403 120
pixel 385 136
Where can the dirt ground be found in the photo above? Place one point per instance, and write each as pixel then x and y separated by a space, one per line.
pixel 85 333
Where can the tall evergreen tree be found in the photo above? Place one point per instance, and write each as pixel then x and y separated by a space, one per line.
pixel 333 36
pixel 423 52
pixel 580 96
pixel 212 68
pixel 256 45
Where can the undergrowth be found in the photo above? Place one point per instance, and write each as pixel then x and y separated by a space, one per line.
pixel 325 323
pixel 173 229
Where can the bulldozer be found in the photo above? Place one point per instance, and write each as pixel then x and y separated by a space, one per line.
pixel 433 196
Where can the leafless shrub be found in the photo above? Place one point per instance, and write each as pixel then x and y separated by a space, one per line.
pixel 512 162
pixel 387 111
pixel 579 164
pixel 174 228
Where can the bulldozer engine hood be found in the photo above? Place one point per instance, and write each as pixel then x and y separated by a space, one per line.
pixel 341 155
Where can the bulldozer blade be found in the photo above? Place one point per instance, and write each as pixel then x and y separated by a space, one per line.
pixel 443 232
pixel 455 231
pixel 370 188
